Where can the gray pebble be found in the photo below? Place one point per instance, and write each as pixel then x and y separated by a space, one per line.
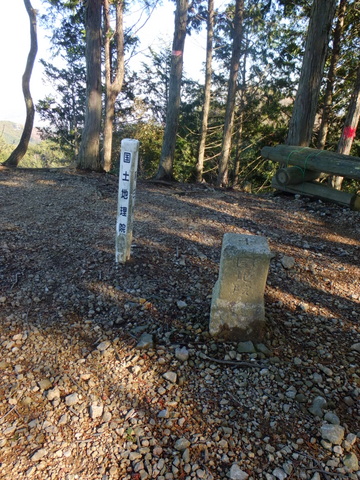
pixel 145 342
pixel 96 411
pixel 332 433
pixel 279 473
pixel 236 473
pixel 351 462
pixel 182 444
pixel 72 399
pixel 287 262
pixel 332 418
pixel 246 347
pixel 182 354
pixel 38 455
pixel 181 304
pixel 103 346
pixel 53 394
pixel 355 347
pixel 170 376
pixel 317 407
pixel 45 384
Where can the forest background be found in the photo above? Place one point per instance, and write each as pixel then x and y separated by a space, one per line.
pixel 268 39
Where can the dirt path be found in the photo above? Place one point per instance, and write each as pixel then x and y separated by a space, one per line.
pixel 79 397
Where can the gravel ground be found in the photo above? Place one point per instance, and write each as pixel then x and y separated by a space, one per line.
pixel 109 372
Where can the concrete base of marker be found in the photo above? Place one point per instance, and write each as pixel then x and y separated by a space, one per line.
pixel 237 307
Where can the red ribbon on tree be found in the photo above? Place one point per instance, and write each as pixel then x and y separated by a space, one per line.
pixel 349 132
pixel 177 53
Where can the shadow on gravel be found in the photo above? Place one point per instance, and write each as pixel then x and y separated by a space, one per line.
pixel 62 292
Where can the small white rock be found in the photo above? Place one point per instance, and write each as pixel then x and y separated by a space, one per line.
pixel 96 411
pixel 72 399
pixel 103 346
pixel 170 376
pixel 38 455
pixel 332 433
pixel 145 342
pixel 351 438
pixel 351 462
pixel 182 354
pixel 163 413
pixel 181 444
pixel 287 262
pixel 45 384
pixel 355 347
pixel 331 417
pixel 279 473
pixel 53 394
pixel 236 473
pixel 181 304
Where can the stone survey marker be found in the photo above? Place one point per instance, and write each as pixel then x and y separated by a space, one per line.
pixel 237 307
pixel 126 198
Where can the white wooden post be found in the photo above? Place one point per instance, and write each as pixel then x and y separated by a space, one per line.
pixel 126 198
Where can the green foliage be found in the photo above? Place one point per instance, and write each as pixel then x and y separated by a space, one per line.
pixel 150 136
pixel 152 82
pixel 63 111
pixel 271 55
pixel 45 154
pixel 5 150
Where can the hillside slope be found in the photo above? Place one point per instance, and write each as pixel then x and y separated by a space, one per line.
pixel 11 133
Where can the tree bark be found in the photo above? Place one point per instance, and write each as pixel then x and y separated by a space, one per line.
pixel 165 170
pixel 324 126
pixel 222 179
pixel 207 91
pixel 21 149
pixel 89 154
pixel 350 127
pixel 240 121
pixel 304 111
pixel 113 85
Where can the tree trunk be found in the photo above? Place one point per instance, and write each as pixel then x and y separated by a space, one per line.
pixel 324 126
pixel 240 121
pixel 207 91
pixel 165 170
pixel 222 179
pixel 21 149
pixel 112 86
pixel 239 134
pixel 350 127
pixel 304 111
pixel 89 154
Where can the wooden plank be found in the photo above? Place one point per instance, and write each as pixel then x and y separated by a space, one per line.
pixel 315 160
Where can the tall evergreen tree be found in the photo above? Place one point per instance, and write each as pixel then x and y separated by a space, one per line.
pixel 331 76
pixel 350 126
pixel 114 77
pixel 89 153
pixel 207 91
pixel 165 170
pixel 305 105
pixel 222 179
